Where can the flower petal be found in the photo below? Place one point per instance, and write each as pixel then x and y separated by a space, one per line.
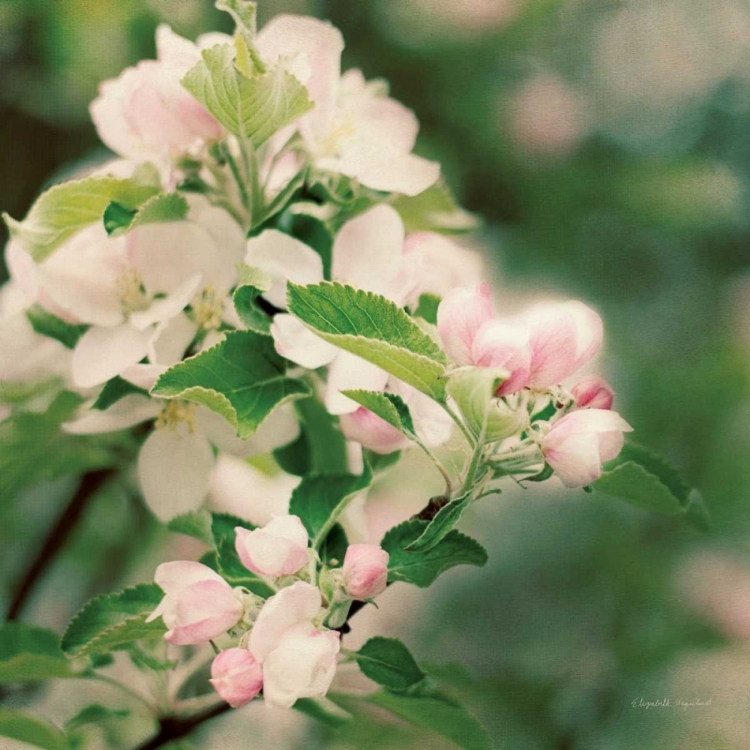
pixel 128 411
pixel 295 341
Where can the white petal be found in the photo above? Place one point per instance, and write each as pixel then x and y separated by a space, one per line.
pixel 174 468
pixel 295 341
pixel 128 411
pixel 167 307
pixel 144 376
pixel 102 353
pixel 350 372
pixel 246 492
pixel 283 258
pixel 171 339
pixel 369 250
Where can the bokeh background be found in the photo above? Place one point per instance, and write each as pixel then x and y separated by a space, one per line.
pixel 606 143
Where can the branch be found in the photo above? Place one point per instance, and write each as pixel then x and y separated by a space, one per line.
pixel 56 538
pixel 173 728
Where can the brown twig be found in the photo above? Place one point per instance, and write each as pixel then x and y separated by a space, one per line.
pixel 56 538
pixel 173 728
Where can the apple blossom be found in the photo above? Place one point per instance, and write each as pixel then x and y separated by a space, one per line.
pixel 354 128
pixel 236 676
pixel 578 445
pixel 563 337
pixel 593 392
pixel 277 549
pixel 365 571
pixel 146 113
pixel 298 657
pixel 460 316
pixel 198 604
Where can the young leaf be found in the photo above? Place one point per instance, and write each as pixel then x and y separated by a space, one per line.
pixel 111 622
pixel 389 407
pixel 28 654
pixel 65 209
pixel 196 525
pixel 252 284
pixel 389 663
pixel 115 389
pixel 26 728
pixel 422 568
pixel 437 529
pixel 320 499
pixel 244 14
pixel 444 718
pixel 47 324
pixel 159 209
pixel 242 378
pixel 648 481
pixel 254 108
pixel 434 210
pixel 373 328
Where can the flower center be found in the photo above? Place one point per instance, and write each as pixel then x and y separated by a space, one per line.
pixel 176 413
pixel 207 309
pixel 132 294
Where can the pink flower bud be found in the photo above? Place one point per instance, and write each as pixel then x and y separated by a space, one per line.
pixel 578 445
pixel 365 570
pixel 278 549
pixel 501 344
pixel 563 337
pixel 372 432
pixel 593 392
pixel 236 676
pixel 460 315
pixel 199 604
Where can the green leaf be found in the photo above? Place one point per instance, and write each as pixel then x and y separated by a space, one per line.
pixel 389 663
pixel 320 499
pixel 648 481
pixel 489 418
pixel 29 654
pixel 294 458
pixel 312 231
pixel 389 407
pixel 47 324
pixel 373 328
pixel 427 308
pixel 380 462
pixel 334 546
pixel 437 529
pixel 327 442
pixel 434 210
pixel 26 728
pixel 67 208
pixel 196 524
pixel 252 283
pixel 444 718
pixel 159 209
pixel 111 622
pixel 94 714
pixel 422 568
pixel 33 448
pixel 255 108
pixel 323 710
pixel 115 389
pixel 242 378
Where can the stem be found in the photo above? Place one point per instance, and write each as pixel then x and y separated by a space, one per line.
pixel 439 466
pixel 125 689
pixel 238 179
pixel 56 538
pixel 469 437
pixel 173 728
pixel 472 470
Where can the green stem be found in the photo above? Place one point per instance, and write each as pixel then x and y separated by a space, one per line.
pixel 238 179
pixel 469 437
pixel 439 466
pixel 125 689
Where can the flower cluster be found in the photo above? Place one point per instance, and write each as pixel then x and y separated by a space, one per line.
pixel 287 645
pixel 266 271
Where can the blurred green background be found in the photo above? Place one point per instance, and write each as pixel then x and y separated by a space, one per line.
pixel 607 145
